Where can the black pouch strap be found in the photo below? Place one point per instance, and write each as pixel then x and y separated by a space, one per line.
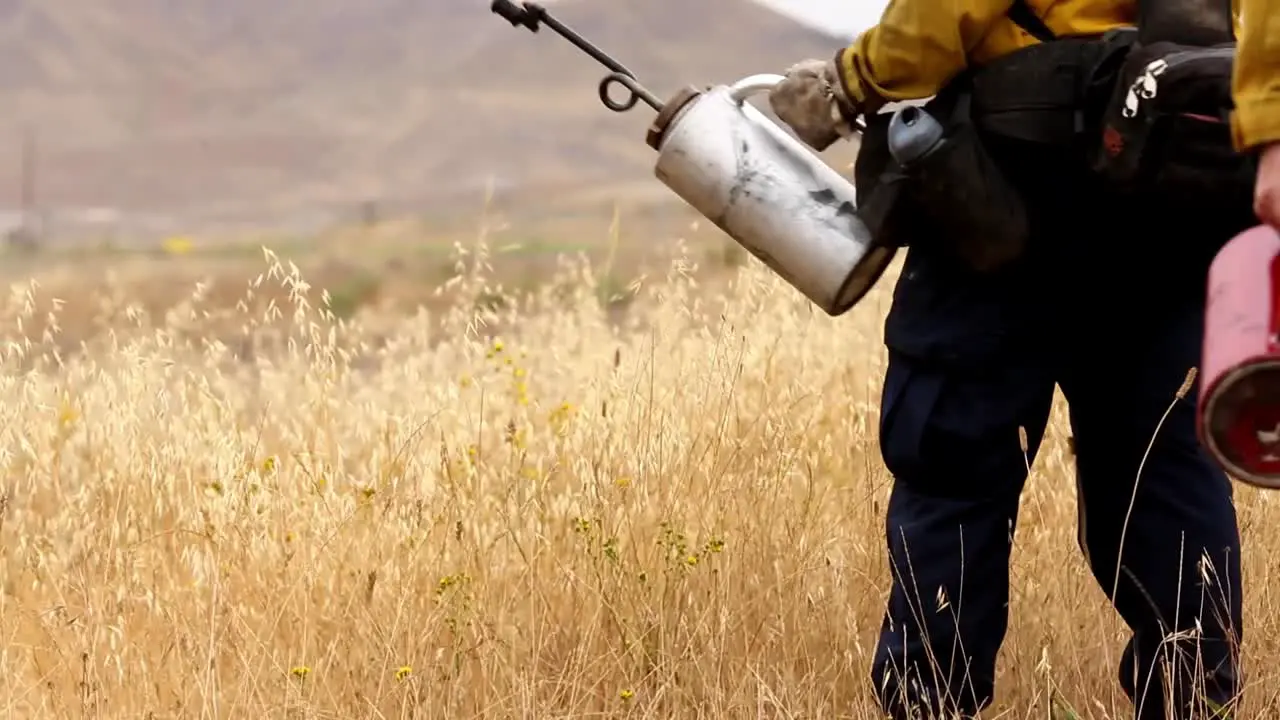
pixel 883 204
pixel 885 208
pixel 1024 17
pixel 1035 94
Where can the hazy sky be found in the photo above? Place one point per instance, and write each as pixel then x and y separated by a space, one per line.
pixel 843 17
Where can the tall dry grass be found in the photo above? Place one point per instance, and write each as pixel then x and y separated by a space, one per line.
pixel 536 513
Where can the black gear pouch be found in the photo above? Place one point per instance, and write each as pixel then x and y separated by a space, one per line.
pixel 1166 134
pixel 955 199
pixel 961 188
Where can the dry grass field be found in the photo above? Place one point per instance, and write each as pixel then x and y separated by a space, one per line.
pixel 534 507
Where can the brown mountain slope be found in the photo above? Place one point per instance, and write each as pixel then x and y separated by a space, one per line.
pixel 157 105
pixel 153 105
pixel 523 110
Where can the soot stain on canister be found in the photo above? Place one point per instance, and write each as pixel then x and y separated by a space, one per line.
pixel 743 174
pixel 827 196
pixel 843 210
pixel 746 172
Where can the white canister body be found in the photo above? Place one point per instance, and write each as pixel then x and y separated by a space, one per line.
pixel 771 194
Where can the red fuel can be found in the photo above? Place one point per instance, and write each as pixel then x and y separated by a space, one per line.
pixel 1239 419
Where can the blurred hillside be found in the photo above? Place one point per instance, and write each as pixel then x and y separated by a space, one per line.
pixel 268 110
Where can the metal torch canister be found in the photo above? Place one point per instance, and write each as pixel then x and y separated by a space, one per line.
pixel 1239 418
pixel 757 182
pixel 768 191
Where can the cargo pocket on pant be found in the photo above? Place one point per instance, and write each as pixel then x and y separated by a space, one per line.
pixel 910 395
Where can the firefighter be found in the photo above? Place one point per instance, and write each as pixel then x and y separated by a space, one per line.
pixel 974 358
pixel 1256 121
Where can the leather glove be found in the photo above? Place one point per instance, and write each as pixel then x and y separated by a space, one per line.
pixel 1266 197
pixel 813 103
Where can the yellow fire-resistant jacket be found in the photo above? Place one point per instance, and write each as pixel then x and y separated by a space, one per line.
pixel 919 45
pixel 1256 79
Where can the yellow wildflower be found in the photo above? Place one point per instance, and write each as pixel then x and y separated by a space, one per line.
pixel 67 414
pixel 178 245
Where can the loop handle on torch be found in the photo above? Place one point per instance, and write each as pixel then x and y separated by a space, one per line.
pixel 752 84
pixel 532 16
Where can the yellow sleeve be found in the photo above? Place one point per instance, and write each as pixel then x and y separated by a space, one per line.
pixel 1256 76
pixel 916 48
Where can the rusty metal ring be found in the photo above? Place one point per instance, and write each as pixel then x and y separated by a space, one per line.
pixel 636 93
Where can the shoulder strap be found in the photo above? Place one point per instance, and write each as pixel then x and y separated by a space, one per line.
pixel 1024 17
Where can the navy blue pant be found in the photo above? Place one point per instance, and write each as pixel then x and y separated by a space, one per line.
pixel 968 367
